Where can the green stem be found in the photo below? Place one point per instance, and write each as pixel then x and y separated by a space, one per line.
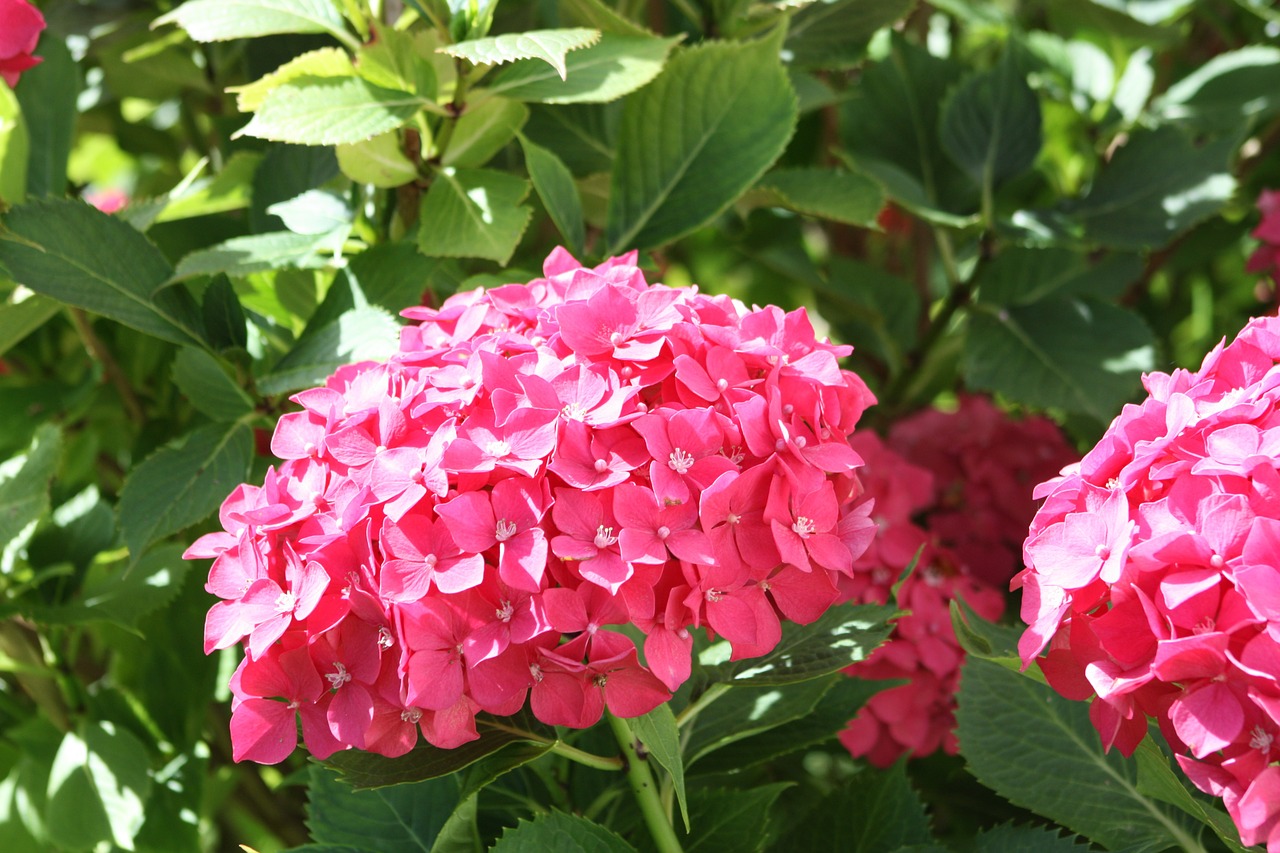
pixel 645 790
pixel 712 693
pixel 588 759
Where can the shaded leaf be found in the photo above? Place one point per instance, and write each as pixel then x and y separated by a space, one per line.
pixel 224 320
pixel 1008 838
pixel 98 788
pixel 1158 780
pixel 613 67
pixel 670 177
pixel 183 483
pixel 1230 89
pixel 20 318
pixel 658 732
pixel 400 819
pixel 875 810
pixel 48 98
pixel 743 712
pixel 473 213
pixel 991 125
pixel 24 483
pixel 563 833
pixel 834 33
pixel 550 46
pixel 361 334
pixel 124 594
pixel 826 193
pixel 729 820
pixel 483 131
pixel 554 183
pixel 204 381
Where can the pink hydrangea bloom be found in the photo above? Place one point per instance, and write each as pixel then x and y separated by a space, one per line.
pixel 462 529
pixel 954 483
pixel 1266 258
pixel 1165 603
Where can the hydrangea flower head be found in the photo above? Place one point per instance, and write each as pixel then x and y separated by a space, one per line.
pixel 464 528
pixel 1153 576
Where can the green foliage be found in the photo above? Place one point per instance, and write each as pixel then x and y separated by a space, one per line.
pixel 875 810
pixel 560 831
pixel 551 46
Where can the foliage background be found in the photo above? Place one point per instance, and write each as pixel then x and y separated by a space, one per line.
pixel 1039 200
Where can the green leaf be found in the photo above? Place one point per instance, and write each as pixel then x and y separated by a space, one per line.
pixel 1022 739
pixel 224 192
pixel 83 257
pixel 844 635
pixel 670 177
pixel 614 67
pixel 1230 89
pixel 834 33
pixel 203 380
pixel 1158 780
pixel 241 256
pixel 598 15
pixel 20 318
pixel 395 276
pixel 24 483
pixel 554 183
pixel 727 820
pixel 399 819
pixel 361 334
pixel 991 124
pixel 658 731
pixel 221 20
pixel 1008 838
pixel 398 60
pixel 123 594
pixel 313 213
pixel 378 161
pixel 48 98
pixel 494 753
pixel 550 46
pixel 98 788
pixel 563 833
pixel 183 483
pixel 311 110
pixel 874 307
pixel 286 172
pixel 826 193
pixel 483 131
pixel 473 213
pixel 224 320
pixel 744 712
pixel 14 149
pixel 875 810
pixel 1032 354
pixel 321 62
pixel 908 193
pixel 581 135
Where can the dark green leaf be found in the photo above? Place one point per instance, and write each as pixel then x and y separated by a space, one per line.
pixel 844 635
pixel 473 213
pixel 873 307
pixel 330 111
pixel 1008 838
pixel 120 593
pixel 658 731
pixel 359 334
pixel 78 529
pixel 599 15
pixel 826 193
pixel 48 98
pixel 81 256
pixel 224 321
pixel 834 33
pixel 98 788
pixel 581 135
pixel 204 381
pixel 399 819
pixel 286 172
pixel 618 64
pixel 991 124
pixel 19 319
pixel 729 820
pixel 1032 354
pixel 1230 89
pixel 1158 780
pixel 875 810
pixel 24 483
pixel 562 833
pixel 671 177
pixel 395 276
pixel 746 711
pixel 483 131
pixel 1022 740
pixel 554 183
pixel 183 483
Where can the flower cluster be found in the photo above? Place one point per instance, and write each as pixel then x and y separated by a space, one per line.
pixel 954 487
pixel 456 530
pixel 1153 576
pixel 1266 258
pixel 20 28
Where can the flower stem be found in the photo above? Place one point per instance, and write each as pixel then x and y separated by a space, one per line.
pixel 711 694
pixel 599 762
pixel 645 790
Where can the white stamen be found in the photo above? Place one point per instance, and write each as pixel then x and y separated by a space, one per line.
pixel 803 527
pixel 498 449
pixel 604 537
pixel 680 461
pixel 663 532
pixel 506 611
pixel 505 530
pixel 411 715
pixel 536 672
pixel 574 411
pixel 1261 740
pixel 339 676
pixel 385 640
pixel 285 602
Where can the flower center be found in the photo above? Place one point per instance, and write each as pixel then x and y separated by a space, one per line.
pixel 803 527
pixel 506 529
pixel 339 676
pixel 536 672
pixel 1102 552
pixel 604 537
pixel 385 640
pixel 663 532
pixel 1261 740
pixel 680 461
pixel 285 602
pixel 601 466
pixel 1204 626
pixel 574 411
pixel 411 715
pixel 601 680
pixel 506 611
pixel 498 449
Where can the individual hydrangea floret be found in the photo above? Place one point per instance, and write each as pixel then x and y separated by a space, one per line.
pixel 953 487
pixel 469 526
pixel 1153 576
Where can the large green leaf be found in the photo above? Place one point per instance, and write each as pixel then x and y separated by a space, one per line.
pixel 843 635
pixel 729 820
pixel 1033 354
pixel 1157 779
pixel 1008 838
pixel 599 15
pixel 737 113
pixel 744 712
pixel 826 193
pixel 1020 276
pixel 359 334
pixel 554 183
pixel 48 97
pixel 204 380
pixel 399 819
pixel 550 46
pixel 473 213
pixel 123 594
pixel 875 810
pixel 311 110
pixel 98 788
pixel 220 20
pixel 321 62
pixel 658 731
pixel 226 191
pixel 14 149
pixel 1228 90
pixel 1026 742
pixel 618 64
pixel 834 33
pixel 20 318
pixel 24 483
pixel 378 161
pixel 286 172
pixel 484 131
pixel 991 124
pixel 241 256
pixel 563 833
pixel 183 483
pixel 81 256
